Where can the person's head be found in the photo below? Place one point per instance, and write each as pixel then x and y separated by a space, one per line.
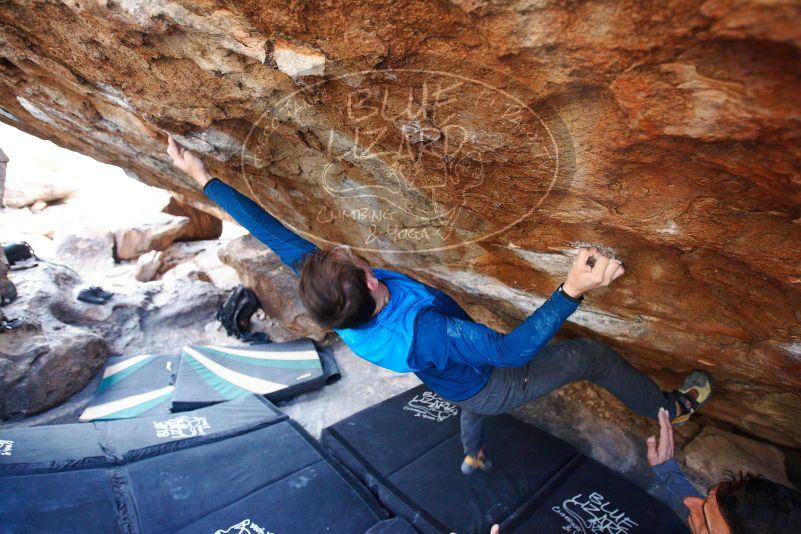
pixel 338 288
pixel 746 504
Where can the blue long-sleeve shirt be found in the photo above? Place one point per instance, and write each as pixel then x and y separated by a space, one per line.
pixel 473 343
pixel 452 354
pixel 289 246
pixel 676 484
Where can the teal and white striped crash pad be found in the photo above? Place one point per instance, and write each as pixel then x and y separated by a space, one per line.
pixel 208 374
pixel 133 386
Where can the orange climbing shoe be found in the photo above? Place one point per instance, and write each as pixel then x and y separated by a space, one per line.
pixel 692 395
pixel 471 464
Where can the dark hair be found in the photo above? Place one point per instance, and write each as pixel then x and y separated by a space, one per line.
pixel 335 291
pixel 751 504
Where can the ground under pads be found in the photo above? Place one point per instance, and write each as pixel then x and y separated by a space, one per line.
pixel 236 467
pixel 407 450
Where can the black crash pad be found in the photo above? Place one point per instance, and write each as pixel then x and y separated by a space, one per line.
pixel 239 466
pixel 407 450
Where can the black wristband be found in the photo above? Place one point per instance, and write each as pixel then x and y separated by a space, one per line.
pixel 561 290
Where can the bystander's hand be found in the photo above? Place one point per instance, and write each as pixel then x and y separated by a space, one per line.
pixel 661 450
pixel 584 277
pixel 188 162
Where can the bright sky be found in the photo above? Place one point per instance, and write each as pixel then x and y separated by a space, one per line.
pixel 105 196
pixel 37 160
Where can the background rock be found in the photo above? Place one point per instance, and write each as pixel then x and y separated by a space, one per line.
pixel 47 360
pixel 667 131
pixel 3 273
pixel 199 257
pixel 3 165
pixel 147 265
pixel 66 342
pixel 49 370
pixel 715 452
pixel 34 194
pixel 131 242
pixel 87 251
pixel 187 271
pixel 201 225
pixel 274 284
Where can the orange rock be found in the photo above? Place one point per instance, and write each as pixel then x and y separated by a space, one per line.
pixel 490 136
pixel 201 225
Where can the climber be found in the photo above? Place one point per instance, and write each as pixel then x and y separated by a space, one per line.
pixel 403 325
pixel 742 504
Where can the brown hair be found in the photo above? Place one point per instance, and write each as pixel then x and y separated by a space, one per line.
pixel 751 504
pixel 334 290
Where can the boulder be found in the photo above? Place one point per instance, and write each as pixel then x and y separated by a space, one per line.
pixel 262 271
pixel 3 165
pixel 38 206
pixel 188 270
pixel 40 369
pixel 3 273
pixel 86 252
pixel 715 452
pixel 148 265
pixel 471 146
pixel 171 314
pixel 201 225
pixel 185 258
pixel 45 361
pixel 157 234
pixel 64 342
pixel 22 194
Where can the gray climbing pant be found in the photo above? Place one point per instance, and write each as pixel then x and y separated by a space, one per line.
pixel 553 366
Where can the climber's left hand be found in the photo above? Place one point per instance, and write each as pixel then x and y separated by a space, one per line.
pixel 661 450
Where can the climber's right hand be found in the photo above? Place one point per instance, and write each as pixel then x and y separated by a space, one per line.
pixel 188 162
pixel 584 277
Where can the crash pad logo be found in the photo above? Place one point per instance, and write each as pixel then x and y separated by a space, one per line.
pixel 593 515
pixel 181 427
pixel 411 159
pixel 5 447
pixel 432 407
pixel 246 526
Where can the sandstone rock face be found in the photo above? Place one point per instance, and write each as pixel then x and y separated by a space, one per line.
pixel 201 225
pixel 147 265
pixel 274 284
pixel 200 260
pixel 471 142
pixel 714 452
pixel 3 274
pixel 86 252
pixel 33 194
pixel 158 234
pixel 3 166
